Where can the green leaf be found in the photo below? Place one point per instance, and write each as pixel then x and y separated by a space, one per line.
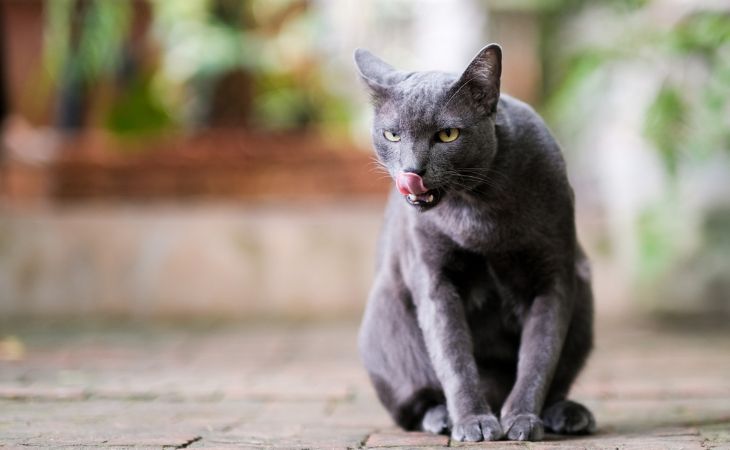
pixel 703 32
pixel 138 111
pixel 657 234
pixel 664 125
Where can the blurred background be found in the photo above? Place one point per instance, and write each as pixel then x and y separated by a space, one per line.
pixel 211 159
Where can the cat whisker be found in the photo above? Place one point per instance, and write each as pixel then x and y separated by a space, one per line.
pixel 456 180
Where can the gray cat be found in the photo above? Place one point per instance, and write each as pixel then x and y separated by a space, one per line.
pixel 481 315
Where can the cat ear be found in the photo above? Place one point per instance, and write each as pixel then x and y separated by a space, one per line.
pixel 376 73
pixel 481 77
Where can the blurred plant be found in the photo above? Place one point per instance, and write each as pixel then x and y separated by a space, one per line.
pixel 139 111
pixel 688 119
pixel 258 57
pixel 221 62
pixel 689 116
pixel 83 38
pixel 86 51
pixel 682 117
pixel 83 41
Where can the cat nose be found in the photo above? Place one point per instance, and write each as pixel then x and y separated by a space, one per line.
pixel 417 171
pixel 410 183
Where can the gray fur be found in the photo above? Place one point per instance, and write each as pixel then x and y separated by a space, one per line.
pixel 482 301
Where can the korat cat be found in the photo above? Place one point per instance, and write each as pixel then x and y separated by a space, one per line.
pixel 480 316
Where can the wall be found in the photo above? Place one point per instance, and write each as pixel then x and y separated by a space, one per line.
pixel 154 261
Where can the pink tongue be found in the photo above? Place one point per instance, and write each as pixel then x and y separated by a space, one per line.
pixel 410 183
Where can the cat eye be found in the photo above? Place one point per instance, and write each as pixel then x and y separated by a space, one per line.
pixel 391 137
pixel 448 135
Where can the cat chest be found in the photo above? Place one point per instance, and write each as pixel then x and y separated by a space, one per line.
pixel 500 285
pixel 474 230
pixel 495 301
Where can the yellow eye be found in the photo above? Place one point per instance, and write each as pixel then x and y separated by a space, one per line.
pixel 448 135
pixel 391 137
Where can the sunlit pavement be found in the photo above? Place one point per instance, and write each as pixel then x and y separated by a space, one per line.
pixel 301 386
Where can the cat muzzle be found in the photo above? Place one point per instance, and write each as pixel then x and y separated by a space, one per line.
pixel 411 185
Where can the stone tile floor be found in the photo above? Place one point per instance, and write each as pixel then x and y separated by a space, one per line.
pixel 301 386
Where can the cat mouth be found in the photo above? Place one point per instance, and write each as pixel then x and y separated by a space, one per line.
pixel 414 190
pixel 424 201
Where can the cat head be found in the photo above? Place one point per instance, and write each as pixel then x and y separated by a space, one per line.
pixel 434 131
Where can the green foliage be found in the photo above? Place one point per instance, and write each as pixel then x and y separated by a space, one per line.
pixel 686 119
pixel 273 42
pixel 281 104
pixel 578 69
pixel 656 239
pixel 139 111
pixel 705 32
pixel 101 29
pixel 665 126
pixel 201 42
pixel 286 102
pixel 197 44
pixel 57 35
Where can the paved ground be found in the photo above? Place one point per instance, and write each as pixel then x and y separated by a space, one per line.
pixel 302 387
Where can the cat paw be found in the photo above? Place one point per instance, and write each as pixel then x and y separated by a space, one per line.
pixel 482 427
pixel 523 427
pixel 436 420
pixel 569 417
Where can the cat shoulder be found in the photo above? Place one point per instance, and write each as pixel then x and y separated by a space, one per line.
pixel 517 111
pixel 520 123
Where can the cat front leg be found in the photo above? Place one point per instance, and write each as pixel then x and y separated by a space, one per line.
pixel 448 342
pixel 542 338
